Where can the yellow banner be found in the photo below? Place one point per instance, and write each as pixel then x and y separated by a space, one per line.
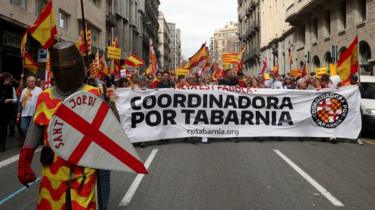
pixel 183 72
pixel 113 53
pixel 332 69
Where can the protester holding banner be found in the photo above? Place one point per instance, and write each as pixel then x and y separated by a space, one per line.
pixel 165 81
pixel 229 79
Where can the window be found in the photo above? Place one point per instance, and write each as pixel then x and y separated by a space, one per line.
pixel 39 5
pixel 96 3
pixel 94 37
pixel 327 21
pixel 362 9
pixel 342 16
pixel 315 29
pixel 302 36
pixel 20 3
pixel 63 20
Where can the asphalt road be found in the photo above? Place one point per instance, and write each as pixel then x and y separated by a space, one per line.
pixel 226 175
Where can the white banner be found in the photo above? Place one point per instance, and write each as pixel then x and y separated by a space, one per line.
pixel 224 112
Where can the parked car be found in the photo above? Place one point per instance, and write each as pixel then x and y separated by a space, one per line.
pixel 368 102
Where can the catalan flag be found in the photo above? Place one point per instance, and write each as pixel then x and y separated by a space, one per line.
pixel 230 58
pixel 44 29
pixel 80 43
pixel 134 61
pixel 348 62
pixel 201 55
pixel 29 63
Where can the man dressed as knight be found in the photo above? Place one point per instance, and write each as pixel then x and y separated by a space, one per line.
pixel 63 185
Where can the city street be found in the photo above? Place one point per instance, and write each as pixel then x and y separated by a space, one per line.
pixel 268 174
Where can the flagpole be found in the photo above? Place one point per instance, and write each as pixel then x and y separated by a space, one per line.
pixel 84 33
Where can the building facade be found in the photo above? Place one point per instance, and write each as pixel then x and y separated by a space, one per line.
pixel 250 32
pixel 132 22
pixel 226 40
pixel 175 36
pixel 273 43
pixel 17 15
pixel 322 34
pixel 150 28
pixel 178 47
pixel 124 20
pixel 165 59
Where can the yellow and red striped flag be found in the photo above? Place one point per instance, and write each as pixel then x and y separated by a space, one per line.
pixel 44 29
pixel 230 58
pixel 103 67
pixel 48 73
pixel 23 43
pixel 218 72
pixel 153 67
pixel 348 62
pixel 29 63
pixel 201 55
pixel 134 61
pixel 80 43
pixel 241 58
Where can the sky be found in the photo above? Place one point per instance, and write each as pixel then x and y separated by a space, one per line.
pixel 198 19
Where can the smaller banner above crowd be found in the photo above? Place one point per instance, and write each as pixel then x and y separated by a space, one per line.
pixel 224 112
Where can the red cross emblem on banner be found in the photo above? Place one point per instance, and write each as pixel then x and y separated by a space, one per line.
pixel 330 110
pixel 85 132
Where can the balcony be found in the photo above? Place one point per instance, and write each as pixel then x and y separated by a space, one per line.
pixel 302 8
pixel 111 20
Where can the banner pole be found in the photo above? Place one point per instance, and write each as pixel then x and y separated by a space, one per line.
pixel 84 34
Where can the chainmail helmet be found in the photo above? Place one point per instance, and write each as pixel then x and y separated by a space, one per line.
pixel 67 66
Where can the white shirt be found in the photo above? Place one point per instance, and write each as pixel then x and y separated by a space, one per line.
pixel 277 85
pixel 30 106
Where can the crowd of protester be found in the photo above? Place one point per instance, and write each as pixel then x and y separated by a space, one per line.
pixel 18 98
pixel 167 79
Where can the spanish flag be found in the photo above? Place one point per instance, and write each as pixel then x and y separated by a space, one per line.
pixel 153 67
pixel 44 29
pixel 134 61
pixel 199 56
pixel 241 58
pixel 348 62
pixel 23 43
pixel 218 72
pixel 29 63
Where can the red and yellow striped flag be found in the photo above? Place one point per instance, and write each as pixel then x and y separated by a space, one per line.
pixel 230 58
pixel 134 61
pixel 44 29
pixel 348 62
pixel 23 43
pixel 199 56
pixel 29 63
pixel 153 67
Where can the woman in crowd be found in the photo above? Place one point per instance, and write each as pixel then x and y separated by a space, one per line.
pixel 7 99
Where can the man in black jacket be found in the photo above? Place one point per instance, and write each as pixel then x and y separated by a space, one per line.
pixel 165 81
pixel 229 79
